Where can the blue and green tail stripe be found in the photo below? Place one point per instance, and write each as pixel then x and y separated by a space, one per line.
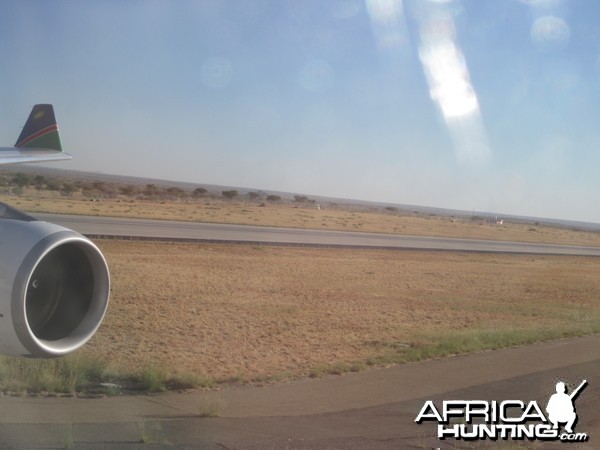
pixel 40 130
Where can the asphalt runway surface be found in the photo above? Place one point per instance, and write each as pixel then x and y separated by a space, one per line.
pixel 194 231
pixel 375 409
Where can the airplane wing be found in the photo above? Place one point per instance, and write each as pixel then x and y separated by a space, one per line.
pixel 10 155
pixel 39 140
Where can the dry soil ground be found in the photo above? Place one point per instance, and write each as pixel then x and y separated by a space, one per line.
pixel 254 313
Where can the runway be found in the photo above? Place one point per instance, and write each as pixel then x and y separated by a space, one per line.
pixel 211 232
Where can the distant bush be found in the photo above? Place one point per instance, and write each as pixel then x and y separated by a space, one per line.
pixel 229 194
pixel 21 179
pixel 128 190
pixel 300 198
pixel 68 189
pixel 199 192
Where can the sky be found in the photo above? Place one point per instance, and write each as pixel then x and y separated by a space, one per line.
pixel 474 105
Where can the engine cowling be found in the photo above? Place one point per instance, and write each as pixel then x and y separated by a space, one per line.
pixel 54 287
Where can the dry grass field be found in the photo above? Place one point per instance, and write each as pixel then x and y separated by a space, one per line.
pixel 200 313
pixel 288 215
pixel 243 313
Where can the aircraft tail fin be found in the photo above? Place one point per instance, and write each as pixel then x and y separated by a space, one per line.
pixel 40 130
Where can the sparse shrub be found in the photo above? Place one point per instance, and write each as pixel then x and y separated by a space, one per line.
pixel 209 408
pixel 230 195
pixel 152 378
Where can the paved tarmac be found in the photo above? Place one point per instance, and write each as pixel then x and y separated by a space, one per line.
pixel 372 409
pixel 194 231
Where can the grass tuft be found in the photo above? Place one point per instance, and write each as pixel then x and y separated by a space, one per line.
pixel 150 433
pixel 152 378
pixel 210 408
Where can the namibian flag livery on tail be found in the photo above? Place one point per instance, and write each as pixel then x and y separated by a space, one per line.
pixel 39 140
pixel 40 130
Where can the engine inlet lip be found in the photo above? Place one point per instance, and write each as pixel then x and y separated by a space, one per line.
pixel 84 331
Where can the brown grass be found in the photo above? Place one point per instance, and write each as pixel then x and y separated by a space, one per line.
pixel 242 313
pixel 288 215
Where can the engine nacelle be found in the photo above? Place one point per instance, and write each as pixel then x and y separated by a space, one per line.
pixel 54 287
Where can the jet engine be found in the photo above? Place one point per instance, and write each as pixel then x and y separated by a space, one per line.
pixel 54 287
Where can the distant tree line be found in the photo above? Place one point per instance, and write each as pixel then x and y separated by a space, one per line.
pixel 16 183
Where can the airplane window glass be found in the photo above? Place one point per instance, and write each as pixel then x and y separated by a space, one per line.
pixel 299 224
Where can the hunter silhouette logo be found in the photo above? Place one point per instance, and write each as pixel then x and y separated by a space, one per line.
pixel 508 419
pixel 560 406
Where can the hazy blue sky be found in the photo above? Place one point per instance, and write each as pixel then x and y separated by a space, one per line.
pixel 485 105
